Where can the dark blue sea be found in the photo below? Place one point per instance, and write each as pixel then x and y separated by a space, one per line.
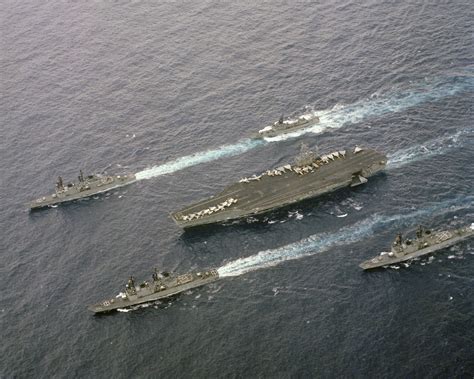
pixel 171 91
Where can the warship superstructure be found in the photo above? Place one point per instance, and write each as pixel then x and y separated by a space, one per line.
pixel 426 242
pixel 283 126
pixel 310 176
pixel 85 187
pixel 161 286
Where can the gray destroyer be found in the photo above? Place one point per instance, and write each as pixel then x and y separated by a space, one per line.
pixel 283 126
pixel 162 285
pixel 310 176
pixel 85 187
pixel 426 242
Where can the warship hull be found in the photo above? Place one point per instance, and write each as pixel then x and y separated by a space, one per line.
pixel 283 186
pixel 155 290
pixel 428 245
pixel 91 186
pixel 285 127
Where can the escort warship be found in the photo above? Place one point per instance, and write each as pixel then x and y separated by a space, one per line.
pixel 283 126
pixel 85 187
pixel 162 285
pixel 426 242
pixel 309 177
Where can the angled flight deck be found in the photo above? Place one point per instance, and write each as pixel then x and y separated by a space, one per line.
pixel 311 176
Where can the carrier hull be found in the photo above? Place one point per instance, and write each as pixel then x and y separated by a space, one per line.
pixel 261 194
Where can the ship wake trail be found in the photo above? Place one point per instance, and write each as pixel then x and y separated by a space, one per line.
pixel 319 243
pixel 335 118
pixel 433 147
pixel 197 158
pixel 378 105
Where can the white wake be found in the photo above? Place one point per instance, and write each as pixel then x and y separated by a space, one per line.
pixel 322 242
pixel 197 158
pixel 333 118
pixel 430 148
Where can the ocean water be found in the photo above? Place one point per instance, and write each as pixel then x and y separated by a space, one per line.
pixel 171 91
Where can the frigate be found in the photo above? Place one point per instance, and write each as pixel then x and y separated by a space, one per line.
pixel 426 242
pixel 311 175
pixel 161 286
pixel 283 126
pixel 85 187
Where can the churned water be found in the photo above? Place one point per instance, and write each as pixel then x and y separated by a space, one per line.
pixel 172 91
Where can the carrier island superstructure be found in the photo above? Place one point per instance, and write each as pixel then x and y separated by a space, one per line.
pixel 311 175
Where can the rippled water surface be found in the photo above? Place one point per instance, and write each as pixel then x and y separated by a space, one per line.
pixel 172 91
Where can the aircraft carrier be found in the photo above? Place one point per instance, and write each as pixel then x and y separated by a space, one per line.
pixel 309 177
pixel 283 126
pixel 426 242
pixel 162 285
pixel 85 187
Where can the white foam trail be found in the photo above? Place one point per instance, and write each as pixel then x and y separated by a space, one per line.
pixel 378 105
pixel 194 159
pixel 436 146
pixel 334 118
pixel 319 243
